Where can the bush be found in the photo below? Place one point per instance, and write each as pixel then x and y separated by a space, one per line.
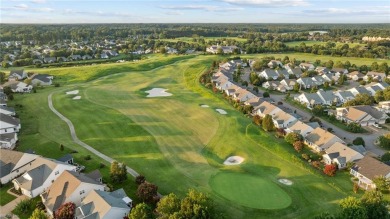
pixel 330 170
pixel 305 156
pixel 298 146
pixel 88 157
pixel 265 94
pixel 293 137
pixel 56 84
pixel 316 164
pixel 384 141
pixel 23 207
pixel 140 179
pixel 358 141
pixel 354 127
pixel 102 165
pixel 385 157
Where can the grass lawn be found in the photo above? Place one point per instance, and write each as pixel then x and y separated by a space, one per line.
pixel 5 198
pixel 313 42
pixel 250 191
pixel 173 141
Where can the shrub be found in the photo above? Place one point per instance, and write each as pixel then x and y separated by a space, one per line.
pixel 359 141
pixel 298 146
pixel 88 157
pixel 265 94
pixel 293 137
pixel 305 156
pixel 56 84
pixel 140 179
pixel 102 165
pixel 316 164
pixel 66 211
pixel 24 206
pixel 355 188
pixel 61 147
pixel 330 170
pixel 385 157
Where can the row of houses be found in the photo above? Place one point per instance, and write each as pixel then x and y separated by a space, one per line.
pixel 36 79
pixel 9 124
pixel 320 140
pixel 57 182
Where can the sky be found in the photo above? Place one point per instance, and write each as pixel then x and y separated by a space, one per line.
pixel 195 11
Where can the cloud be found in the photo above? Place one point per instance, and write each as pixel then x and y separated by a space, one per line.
pixel 347 12
pixel 21 6
pixel 267 3
pixel 174 13
pixel 98 13
pixel 200 8
pixel 38 1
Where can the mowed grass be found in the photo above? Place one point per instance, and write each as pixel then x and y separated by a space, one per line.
pixel 313 42
pixel 250 191
pixel 5 197
pixel 179 145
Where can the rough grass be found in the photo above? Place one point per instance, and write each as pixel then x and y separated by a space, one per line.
pixel 312 42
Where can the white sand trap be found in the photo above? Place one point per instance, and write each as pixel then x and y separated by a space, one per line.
pixel 221 111
pixel 233 160
pixel 158 92
pixel 72 92
pixel 285 182
pixel 77 98
pixel 204 106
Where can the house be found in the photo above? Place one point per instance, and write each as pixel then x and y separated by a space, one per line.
pixel 309 99
pixel 355 75
pixel 299 127
pixel 306 66
pixel 49 59
pixel 75 57
pixel 373 89
pixel 271 85
pixel 266 108
pixel 359 148
pixel 275 63
pixel 320 139
pixel 86 57
pixel 340 154
pixel 288 83
pixel 295 71
pixel 281 88
pixel 384 106
pixel 242 95
pixel 223 84
pixel 9 124
pixel 41 79
pixel 40 176
pixel 359 90
pixel 254 101
pixel 367 169
pixel 9 111
pixel 339 71
pixel 104 205
pixel 3 102
pixel 283 73
pixel 17 74
pixel 67 158
pixel 306 83
pixel 3 96
pixel 344 96
pixel 269 73
pixel 70 186
pixel 318 80
pixel 20 87
pixel 225 49
pixel 62 59
pixel 322 70
pixel 327 97
pixel 8 140
pixel 362 115
pixel 14 163
pixel 374 76
pixel 104 56
pixel 328 77
pixel 230 91
pixel 282 119
pixel 170 50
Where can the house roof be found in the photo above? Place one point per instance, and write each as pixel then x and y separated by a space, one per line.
pixel 6 108
pixel 63 187
pixel 18 72
pixel 42 77
pixel 7 137
pixel 338 69
pixel 371 167
pixel 326 95
pixel 359 148
pixel 65 158
pixel 346 94
pixel 343 151
pixel 320 137
pixel 269 72
pixel 282 116
pixel 95 175
pixel 266 107
pixel 296 71
pixel 299 126
pixel 357 113
pixel 8 161
pixel 9 119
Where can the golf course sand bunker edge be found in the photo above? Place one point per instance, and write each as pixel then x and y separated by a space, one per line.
pixel 285 182
pixel 233 160
pixel 221 111
pixel 158 92
pixel 73 92
pixel 77 98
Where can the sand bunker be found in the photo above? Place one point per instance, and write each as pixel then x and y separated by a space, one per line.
pixel 158 92
pixel 204 106
pixel 77 98
pixel 221 111
pixel 285 182
pixel 72 92
pixel 233 160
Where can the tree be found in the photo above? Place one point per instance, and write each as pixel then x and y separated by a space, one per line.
pixel 257 120
pixel 140 211
pixel 38 214
pixel 318 110
pixel 265 94
pixel 329 64
pixel 65 211
pixel 118 172
pixel 140 179
pixel 354 127
pixel 330 169
pixel 293 137
pixel 326 84
pixel 352 208
pixel 167 206
pixel 382 183
pixel 358 141
pixel 2 77
pixel 5 64
pixel 374 204
pixel 196 205
pixel 385 157
pixel 298 145
pixel 296 87
pixel 374 66
pixel 379 96
pixel 267 123
pixel 147 192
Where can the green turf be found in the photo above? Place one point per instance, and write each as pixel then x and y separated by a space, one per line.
pixel 5 197
pixel 312 42
pixel 207 39
pixel 250 191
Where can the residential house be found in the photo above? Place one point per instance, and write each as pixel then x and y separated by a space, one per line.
pixel 282 119
pixel 62 59
pixel 355 75
pixel 67 158
pixel 359 90
pixel 344 96
pixel 8 140
pixel 20 87
pixel 367 169
pixel 41 79
pixel 75 57
pixel 40 176
pixel 306 66
pixel 327 97
pixel 170 50
pixel 373 89
pixel 362 115
pixel 225 49
pixel 17 74
pixel 295 71
pixel 223 84
pixel 86 57
pixel 14 163
pixel 269 74
pixel 37 61
pixel 283 73
pixel 288 83
pixel 359 148
pixel 318 80
pixel 341 155
pixel 9 124
pixel 49 59
pixel 339 71
pixel 254 101
pixel 104 56
pixel 309 99
pixel 275 63
pixel 104 205
pixel 3 102
pixel 327 77
pixel 70 186
pixel 372 75
pixel 242 95
pixel 321 70
pixel 299 127
pixel 266 108
pixel 271 85
pixel 306 83
pixel 3 96
pixel 384 106
pixel 320 139
pixel 9 111
pixel 230 91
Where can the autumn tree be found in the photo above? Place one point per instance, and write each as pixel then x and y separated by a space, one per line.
pixel 118 172
pixel 293 137
pixel 196 205
pixel 330 170
pixel 167 206
pixel 147 192
pixel 140 179
pixel 267 123
pixel 257 120
pixel 38 214
pixel 382 183
pixel 65 211
pixel 141 211
pixel 375 205
pixel 352 207
pixel 298 146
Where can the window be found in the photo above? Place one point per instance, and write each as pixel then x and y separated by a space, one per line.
pixel 82 192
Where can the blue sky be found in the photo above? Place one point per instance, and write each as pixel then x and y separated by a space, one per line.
pixel 195 11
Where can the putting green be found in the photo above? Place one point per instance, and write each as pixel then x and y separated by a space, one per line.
pixel 250 191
